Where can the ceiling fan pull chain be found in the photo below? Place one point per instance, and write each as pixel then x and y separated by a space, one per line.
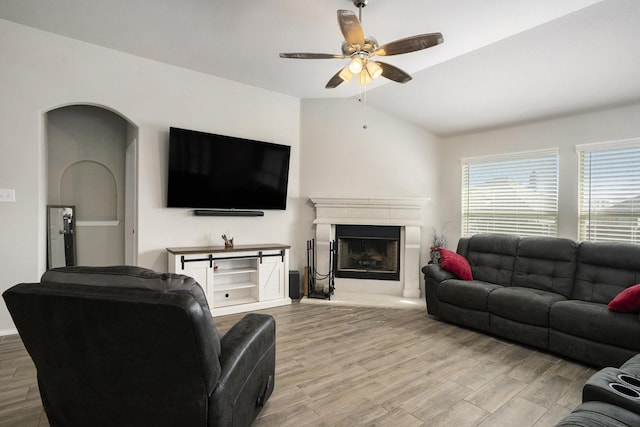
pixel 363 99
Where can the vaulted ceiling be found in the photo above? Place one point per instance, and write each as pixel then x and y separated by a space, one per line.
pixel 502 61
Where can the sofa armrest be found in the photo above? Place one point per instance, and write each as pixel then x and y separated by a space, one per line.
pixel 437 273
pixel 433 276
pixel 247 361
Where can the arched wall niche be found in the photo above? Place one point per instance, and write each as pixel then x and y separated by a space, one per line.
pixel 88 166
pixel 81 182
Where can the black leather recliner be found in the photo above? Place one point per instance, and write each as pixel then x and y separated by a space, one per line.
pixel 125 346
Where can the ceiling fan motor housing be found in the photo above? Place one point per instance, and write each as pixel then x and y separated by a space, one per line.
pixel 370 45
pixel 360 3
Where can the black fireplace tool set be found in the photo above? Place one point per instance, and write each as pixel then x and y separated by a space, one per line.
pixel 319 285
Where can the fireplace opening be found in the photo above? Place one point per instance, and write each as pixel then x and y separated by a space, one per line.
pixel 368 252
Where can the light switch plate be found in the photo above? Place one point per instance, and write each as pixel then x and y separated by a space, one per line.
pixel 7 195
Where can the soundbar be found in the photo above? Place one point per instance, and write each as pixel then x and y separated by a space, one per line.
pixel 226 212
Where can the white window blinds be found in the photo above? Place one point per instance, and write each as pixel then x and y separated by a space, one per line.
pixel 609 191
pixel 515 194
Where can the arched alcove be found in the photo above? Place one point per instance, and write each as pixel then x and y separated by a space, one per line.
pixel 90 187
pixel 88 167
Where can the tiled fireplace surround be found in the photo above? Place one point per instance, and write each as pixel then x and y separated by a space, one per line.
pixel 403 212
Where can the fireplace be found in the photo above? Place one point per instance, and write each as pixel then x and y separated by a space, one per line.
pixel 368 252
pixel 404 214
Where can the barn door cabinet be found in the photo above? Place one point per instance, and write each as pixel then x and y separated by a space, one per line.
pixel 238 279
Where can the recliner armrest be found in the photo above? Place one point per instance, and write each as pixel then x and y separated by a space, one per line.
pixel 247 361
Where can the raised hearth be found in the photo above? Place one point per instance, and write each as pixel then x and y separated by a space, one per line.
pixel 404 213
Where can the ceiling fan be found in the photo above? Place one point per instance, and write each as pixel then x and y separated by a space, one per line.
pixel 363 49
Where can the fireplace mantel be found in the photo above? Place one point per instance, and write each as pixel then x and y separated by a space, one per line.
pixel 400 211
pixel 403 211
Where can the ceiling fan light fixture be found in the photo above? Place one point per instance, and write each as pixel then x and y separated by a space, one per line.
pixel 355 66
pixel 364 78
pixel 346 74
pixel 374 69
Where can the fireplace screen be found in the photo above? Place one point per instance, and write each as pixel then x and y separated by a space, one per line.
pixel 368 252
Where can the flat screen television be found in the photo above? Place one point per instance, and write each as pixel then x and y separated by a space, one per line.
pixel 209 171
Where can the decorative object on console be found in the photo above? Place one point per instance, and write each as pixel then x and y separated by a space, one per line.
pixel 228 241
pixel 361 50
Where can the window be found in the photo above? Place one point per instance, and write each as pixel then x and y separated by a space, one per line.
pixel 515 193
pixel 609 191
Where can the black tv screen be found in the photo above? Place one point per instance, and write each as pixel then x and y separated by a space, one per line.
pixel 209 171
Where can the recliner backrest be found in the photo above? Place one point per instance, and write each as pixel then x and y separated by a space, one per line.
pixel 491 256
pixel 546 263
pixel 128 277
pixel 605 269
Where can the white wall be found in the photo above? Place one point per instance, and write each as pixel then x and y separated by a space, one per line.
pixel 564 133
pixel 390 158
pixel 41 71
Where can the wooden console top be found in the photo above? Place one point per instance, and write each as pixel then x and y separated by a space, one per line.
pixel 222 249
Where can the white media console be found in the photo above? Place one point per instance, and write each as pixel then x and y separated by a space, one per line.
pixel 238 279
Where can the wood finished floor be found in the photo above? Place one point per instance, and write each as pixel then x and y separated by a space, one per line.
pixel 348 366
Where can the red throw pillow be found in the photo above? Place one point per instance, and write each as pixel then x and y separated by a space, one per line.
pixel 457 264
pixel 627 301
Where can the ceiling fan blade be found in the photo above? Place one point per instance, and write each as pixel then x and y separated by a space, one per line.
pixel 393 73
pixel 311 56
pixel 335 80
pixel 410 44
pixel 350 27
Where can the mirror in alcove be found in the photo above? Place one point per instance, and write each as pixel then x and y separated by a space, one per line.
pixel 61 236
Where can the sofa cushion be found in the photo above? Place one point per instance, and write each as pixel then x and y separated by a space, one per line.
pixel 627 301
pixel 474 319
pixel 533 335
pixel 455 263
pixel 596 322
pixel 546 263
pixel 605 269
pixel 468 294
pixel 491 256
pixel 586 350
pixel 524 305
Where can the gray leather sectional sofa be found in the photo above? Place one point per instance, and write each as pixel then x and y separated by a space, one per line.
pixel 549 293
